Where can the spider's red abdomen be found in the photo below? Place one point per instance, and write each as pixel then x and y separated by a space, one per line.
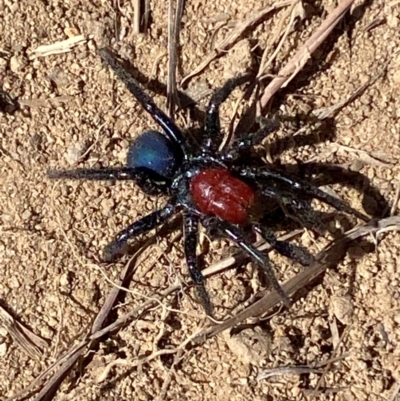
pixel 216 192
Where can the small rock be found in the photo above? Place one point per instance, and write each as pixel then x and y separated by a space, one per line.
pixel 75 152
pixel 3 349
pixel 251 345
pixel 17 63
pixel 14 283
pixel 342 308
pixel 3 331
pixel 26 215
pixel 107 205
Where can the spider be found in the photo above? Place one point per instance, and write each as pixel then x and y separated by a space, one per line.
pixel 217 188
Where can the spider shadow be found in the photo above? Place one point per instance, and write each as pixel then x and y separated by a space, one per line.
pixel 8 104
pixel 373 201
pixel 319 174
pixel 318 131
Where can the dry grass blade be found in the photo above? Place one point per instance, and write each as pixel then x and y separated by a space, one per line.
pixel 63 46
pixel 48 103
pixel 362 155
pixel 29 342
pixel 297 62
pixel 137 16
pixel 286 370
pixel 68 360
pixel 396 199
pixel 329 256
pixel 330 111
pixel 54 382
pixel 295 11
pixel 174 23
pixel 115 291
pixel 395 392
pixel 241 27
pixel 146 15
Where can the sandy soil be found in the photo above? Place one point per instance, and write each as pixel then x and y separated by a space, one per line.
pixel 77 114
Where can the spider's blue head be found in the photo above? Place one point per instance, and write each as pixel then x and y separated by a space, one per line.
pixel 153 151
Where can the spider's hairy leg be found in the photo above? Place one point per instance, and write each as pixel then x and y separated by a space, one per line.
pixel 291 251
pixel 120 173
pixel 294 185
pixel 235 234
pixel 142 226
pixel 191 226
pixel 149 181
pixel 212 128
pixel 169 127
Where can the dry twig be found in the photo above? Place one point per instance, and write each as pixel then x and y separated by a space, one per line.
pixel 28 341
pixel 63 46
pixel 174 23
pixel 237 32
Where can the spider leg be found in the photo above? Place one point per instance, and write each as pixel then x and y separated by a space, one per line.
pixel 119 173
pixel 212 127
pixel 191 223
pixel 117 247
pixel 169 127
pixel 148 180
pixel 235 235
pixel 296 185
pixel 297 253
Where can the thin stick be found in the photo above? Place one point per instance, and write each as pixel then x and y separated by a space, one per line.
pixel 241 26
pixel 137 16
pixel 174 23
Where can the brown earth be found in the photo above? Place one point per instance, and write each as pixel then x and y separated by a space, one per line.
pixel 52 233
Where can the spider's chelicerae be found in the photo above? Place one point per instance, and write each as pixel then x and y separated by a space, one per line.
pixel 215 188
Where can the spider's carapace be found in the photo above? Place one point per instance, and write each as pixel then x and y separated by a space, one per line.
pixel 216 192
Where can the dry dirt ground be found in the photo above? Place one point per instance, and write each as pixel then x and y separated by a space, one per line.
pixel 77 114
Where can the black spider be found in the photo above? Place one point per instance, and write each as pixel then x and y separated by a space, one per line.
pixel 212 187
